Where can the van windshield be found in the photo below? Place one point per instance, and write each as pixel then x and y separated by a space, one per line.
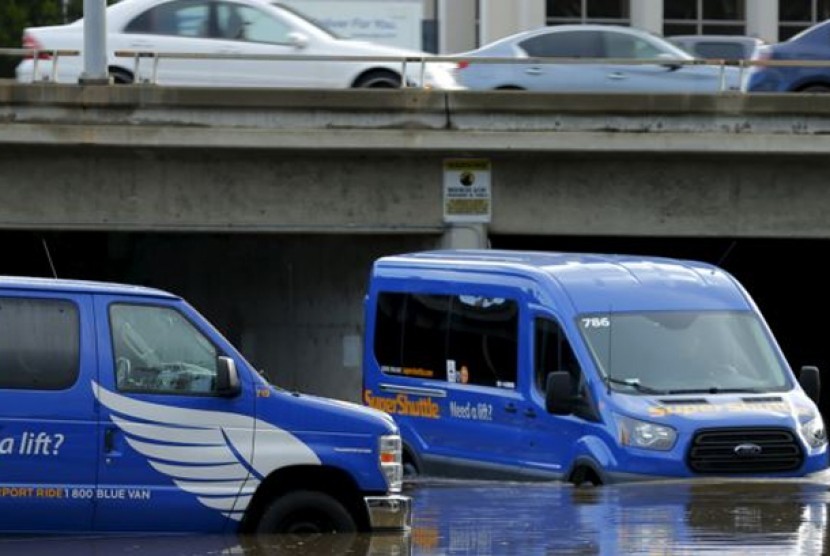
pixel 680 352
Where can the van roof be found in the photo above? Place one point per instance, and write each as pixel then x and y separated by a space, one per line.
pixel 79 286
pixel 594 281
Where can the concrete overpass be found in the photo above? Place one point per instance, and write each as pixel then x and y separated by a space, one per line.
pixel 265 208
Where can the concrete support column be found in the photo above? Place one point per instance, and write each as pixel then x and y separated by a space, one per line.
pixel 95 43
pixel 456 26
pixel 465 236
pixel 647 15
pixel 762 20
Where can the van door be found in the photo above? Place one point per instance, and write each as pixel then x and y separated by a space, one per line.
pixel 460 353
pixel 48 451
pixel 550 440
pixel 175 454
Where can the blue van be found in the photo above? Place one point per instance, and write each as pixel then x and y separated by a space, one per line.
pixel 585 368
pixel 123 410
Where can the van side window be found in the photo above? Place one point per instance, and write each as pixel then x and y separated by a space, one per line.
pixel 467 339
pixel 157 350
pixel 553 353
pixel 39 344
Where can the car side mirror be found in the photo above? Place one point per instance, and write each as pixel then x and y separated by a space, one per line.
pixel 298 40
pixel 669 61
pixel 558 398
pixel 810 382
pixel 227 377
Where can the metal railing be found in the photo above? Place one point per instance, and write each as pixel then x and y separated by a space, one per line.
pixel 36 55
pixel 421 61
pixel 406 62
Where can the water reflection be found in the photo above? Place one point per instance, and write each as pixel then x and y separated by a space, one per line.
pixel 727 517
pixel 459 518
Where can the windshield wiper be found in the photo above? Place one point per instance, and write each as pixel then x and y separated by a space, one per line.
pixel 716 390
pixel 633 383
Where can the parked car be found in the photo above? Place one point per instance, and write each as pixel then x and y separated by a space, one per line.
pixel 678 72
pixel 812 44
pixel 718 47
pixel 220 27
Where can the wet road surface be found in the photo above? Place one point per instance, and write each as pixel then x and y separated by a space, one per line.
pixel 464 518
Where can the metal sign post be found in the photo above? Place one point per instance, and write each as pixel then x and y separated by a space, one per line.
pixel 95 44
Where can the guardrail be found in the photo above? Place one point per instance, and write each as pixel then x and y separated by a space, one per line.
pixel 37 55
pixel 406 62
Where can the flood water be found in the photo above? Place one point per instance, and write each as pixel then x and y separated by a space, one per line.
pixel 459 518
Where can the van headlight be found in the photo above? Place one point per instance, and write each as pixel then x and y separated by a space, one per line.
pixel 642 434
pixel 814 433
pixel 390 455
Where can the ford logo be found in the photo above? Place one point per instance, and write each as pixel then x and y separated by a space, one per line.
pixel 748 450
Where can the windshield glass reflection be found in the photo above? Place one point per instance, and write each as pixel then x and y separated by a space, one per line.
pixel 684 351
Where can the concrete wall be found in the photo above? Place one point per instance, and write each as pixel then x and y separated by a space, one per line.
pixel 274 203
pixel 291 304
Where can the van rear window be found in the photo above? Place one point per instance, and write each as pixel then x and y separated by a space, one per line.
pixel 466 339
pixel 39 343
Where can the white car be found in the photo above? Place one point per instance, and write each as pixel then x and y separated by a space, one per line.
pixel 257 28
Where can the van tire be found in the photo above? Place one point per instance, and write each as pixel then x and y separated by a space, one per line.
pixel 305 512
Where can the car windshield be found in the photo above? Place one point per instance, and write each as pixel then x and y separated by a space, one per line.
pixel 676 352
pixel 308 19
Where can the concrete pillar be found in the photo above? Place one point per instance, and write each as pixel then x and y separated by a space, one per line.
pixel 456 26
pixel 647 15
pixel 499 18
pixel 465 236
pixel 762 20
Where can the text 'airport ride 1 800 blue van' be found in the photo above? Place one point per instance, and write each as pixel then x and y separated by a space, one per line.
pixel 123 410
pixel 583 367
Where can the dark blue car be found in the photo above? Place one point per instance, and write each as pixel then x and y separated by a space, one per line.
pixel 811 45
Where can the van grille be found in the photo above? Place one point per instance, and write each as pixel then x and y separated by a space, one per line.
pixel 728 451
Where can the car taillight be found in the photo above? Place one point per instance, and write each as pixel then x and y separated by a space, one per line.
pixel 30 42
pixel 462 64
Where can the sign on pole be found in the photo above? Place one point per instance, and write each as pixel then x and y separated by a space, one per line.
pixel 467 190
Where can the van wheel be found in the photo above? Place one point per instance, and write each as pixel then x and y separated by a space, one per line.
pixel 305 512
pixel 378 79
pixel 585 476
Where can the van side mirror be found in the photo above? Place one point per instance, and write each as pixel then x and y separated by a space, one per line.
pixel 810 382
pixel 227 377
pixel 558 398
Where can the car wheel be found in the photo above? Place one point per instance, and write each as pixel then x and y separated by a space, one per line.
pixel 815 89
pixel 379 79
pixel 306 512
pixel 121 76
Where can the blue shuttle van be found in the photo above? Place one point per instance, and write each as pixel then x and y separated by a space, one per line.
pixel 123 410
pixel 586 368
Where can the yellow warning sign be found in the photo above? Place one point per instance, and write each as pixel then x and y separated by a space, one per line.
pixel 467 195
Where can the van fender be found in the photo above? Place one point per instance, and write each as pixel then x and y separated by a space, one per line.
pixel 593 453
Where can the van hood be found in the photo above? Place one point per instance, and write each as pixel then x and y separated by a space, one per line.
pixel 299 412
pixel 784 409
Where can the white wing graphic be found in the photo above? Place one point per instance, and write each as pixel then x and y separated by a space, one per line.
pixel 211 454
